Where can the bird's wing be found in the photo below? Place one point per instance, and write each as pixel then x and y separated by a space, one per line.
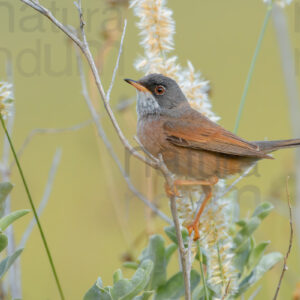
pixel 195 131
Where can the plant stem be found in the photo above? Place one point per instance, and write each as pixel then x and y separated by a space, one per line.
pixel 33 208
pixel 251 69
pixel 202 271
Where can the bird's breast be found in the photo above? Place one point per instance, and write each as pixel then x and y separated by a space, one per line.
pixel 151 134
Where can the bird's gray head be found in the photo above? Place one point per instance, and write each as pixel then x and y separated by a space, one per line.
pixel 157 94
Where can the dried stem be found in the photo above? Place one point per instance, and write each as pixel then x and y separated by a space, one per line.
pixel 183 258
pixel 117 62
pixel 28 231
pixel 41 131
pixel 45 198
pixel 290 241
pixel 108 145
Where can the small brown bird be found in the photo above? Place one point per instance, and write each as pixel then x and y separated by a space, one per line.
pixel 195 149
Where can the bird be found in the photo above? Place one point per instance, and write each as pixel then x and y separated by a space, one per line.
pixel 198 151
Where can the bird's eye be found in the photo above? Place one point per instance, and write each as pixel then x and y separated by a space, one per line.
pixel 160 90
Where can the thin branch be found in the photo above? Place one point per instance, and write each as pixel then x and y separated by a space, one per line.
pixel 290 241
pixel 87 53
pixel 183 257
pixel 47 13
pixel 228 189
pixel 117 63
pixel 108 145
pixel 38 131
pixel 181 248
pixel 226 290
pixel 255 293
pixel 45 198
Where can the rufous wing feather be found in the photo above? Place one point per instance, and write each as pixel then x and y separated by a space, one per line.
pixel 197 132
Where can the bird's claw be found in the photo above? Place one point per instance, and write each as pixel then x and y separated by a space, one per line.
pixel 172 192
pixel 194 227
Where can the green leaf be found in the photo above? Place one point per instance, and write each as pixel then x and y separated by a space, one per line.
pixel 171 233
pixel 250 227
pixel 246 231
pixel 241 223
pixel 145 296
pixel 8 261
pixel 9 219
pixel 117 276
pixel 199 293
pixel 96 292
pixel 126 289
pixel 266 263
pixel 5 189
pixel 155 251
pixel 257 254
pixel 169 252
pixel 174 287
pixel 263 210
pixel 242 254
pixel 3 241
pixel 131 265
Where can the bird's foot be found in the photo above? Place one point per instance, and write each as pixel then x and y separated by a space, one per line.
pixel 172 192
pixel 194 227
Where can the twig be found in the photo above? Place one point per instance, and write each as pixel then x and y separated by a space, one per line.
pixel 226 290
pixel 45 198
pixel 184 262
pixel 290 241
pixel 87 53
pixel 17 281
pixel 255 293
pixel 228 189
pixel 108 145
pixel 181 248
pixel 117 63
pixel 189 256
pixel 252 65
pixel 38 131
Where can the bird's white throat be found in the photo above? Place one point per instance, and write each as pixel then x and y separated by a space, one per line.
pixel 146 104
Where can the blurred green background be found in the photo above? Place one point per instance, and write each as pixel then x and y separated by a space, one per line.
pixel 90 201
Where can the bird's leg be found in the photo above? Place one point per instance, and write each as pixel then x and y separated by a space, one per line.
pixel 187 183
pixel 195 225
pixel 183 182
pixel 207 188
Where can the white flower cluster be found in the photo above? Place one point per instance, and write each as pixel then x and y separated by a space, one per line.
pixel 157 29
pixel 281 3
pixel 6 102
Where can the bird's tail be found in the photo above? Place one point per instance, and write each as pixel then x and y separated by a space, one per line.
pixel 270 146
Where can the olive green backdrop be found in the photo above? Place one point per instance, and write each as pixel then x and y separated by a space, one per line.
pixel 80 220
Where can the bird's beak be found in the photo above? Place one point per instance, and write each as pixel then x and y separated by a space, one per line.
pixel 137 85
